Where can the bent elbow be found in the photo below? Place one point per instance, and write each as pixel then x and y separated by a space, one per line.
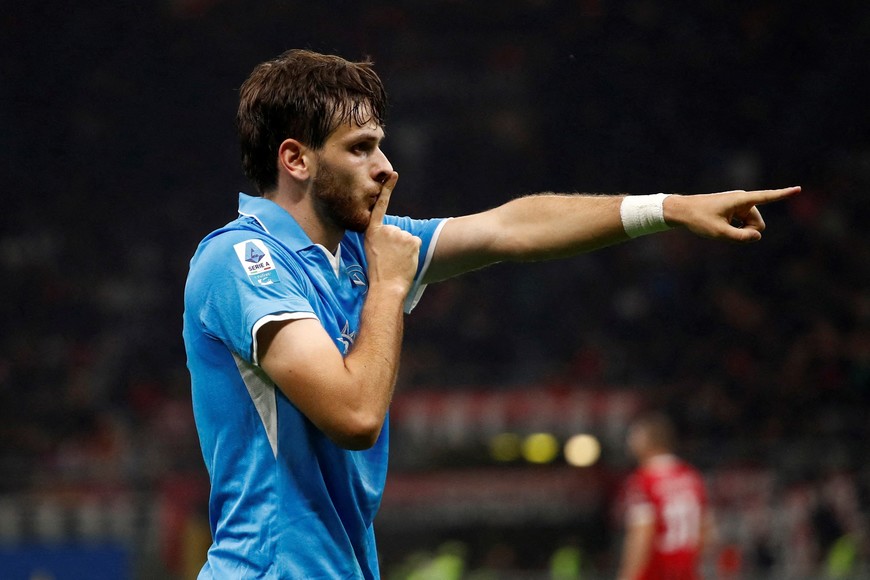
pixel 357 443
pixel 358 432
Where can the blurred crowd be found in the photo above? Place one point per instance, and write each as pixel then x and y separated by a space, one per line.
pixel 119 155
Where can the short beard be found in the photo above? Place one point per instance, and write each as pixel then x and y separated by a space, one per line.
pixel 335 202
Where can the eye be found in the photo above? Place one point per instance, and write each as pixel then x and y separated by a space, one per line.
pixel 361 148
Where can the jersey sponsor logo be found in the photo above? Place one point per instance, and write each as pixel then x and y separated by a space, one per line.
pixel 357 276
pixel 257 261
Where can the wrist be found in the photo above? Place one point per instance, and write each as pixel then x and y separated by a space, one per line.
pixel 644 214
pixel 673 209
pixel 390 289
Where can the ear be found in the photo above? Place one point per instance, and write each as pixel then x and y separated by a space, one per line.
pixel 294 159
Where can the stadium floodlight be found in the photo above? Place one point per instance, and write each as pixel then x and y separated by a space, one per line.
pixel 582 450
pixel 540 448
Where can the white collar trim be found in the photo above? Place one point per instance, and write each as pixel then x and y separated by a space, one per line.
pixel 334 260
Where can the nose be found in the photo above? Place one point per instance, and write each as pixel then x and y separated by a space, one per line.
pixel 381 166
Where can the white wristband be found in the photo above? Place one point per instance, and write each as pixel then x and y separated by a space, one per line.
pixel 643 214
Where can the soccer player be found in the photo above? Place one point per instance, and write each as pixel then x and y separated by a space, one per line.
pixel 668 520
pixel 293 314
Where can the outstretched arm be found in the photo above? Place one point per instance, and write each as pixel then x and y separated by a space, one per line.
pixel 549 226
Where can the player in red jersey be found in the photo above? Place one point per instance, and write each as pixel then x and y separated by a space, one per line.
pixel 668 520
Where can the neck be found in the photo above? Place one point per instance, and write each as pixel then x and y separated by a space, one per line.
pixel 657 456
pixel 301 206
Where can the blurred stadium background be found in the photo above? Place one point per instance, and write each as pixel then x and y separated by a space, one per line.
pixel 119 154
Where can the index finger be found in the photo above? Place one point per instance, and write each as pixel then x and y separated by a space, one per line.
pixel 380 209
pixel 768 195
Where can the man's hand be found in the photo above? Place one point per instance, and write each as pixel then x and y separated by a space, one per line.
pixel 391 252
pixel 347 394
pixel 731 215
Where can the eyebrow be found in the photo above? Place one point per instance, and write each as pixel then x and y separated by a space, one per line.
pixel 366 135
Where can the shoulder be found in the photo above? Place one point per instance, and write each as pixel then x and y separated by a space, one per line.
pixel 639 481
pixel 234 261
pixel 696 475
pixel 689 469
pixel 233 245
pixel 227 237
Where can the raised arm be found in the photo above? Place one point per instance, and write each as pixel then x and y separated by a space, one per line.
pixel 347 397
pixel 549 226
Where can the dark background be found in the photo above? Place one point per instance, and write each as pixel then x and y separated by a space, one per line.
pixel 118 154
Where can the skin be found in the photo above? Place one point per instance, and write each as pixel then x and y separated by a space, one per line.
pixel 346 397
pixel 347 184
pixel 549 226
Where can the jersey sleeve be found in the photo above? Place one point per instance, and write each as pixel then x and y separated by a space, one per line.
pixel 245 282
pixel 428 231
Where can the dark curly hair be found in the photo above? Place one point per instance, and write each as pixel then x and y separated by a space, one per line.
pixel 305 96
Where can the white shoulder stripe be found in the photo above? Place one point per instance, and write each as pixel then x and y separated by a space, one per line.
pixel 262 392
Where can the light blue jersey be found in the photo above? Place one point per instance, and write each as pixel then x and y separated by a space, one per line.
pixel 286 502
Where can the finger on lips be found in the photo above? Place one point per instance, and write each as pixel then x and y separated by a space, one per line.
pixel 380 209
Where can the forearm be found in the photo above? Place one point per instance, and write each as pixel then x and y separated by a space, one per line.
pixel 556 226
pixel 372 364
pixel 635 554
pixel 537 227
pixel 550 226
pixel 346 397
